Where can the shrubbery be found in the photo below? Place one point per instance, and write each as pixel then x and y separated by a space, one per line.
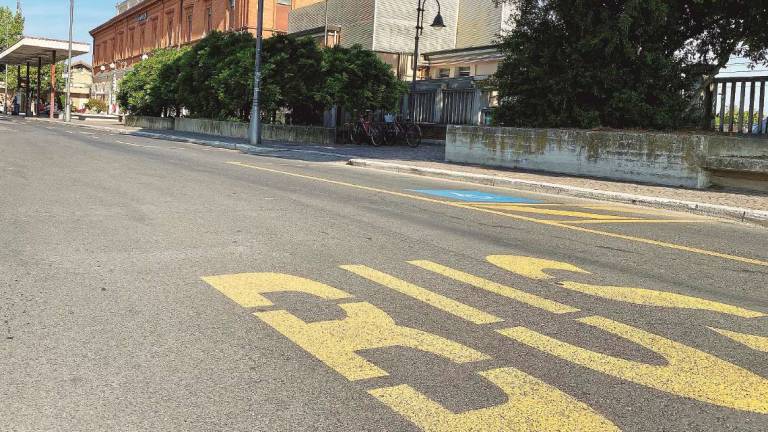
pixel 96 105
pixel 620 63
pixel 214 79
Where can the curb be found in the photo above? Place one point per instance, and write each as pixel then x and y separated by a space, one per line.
pixel 734 213
pixel 243 148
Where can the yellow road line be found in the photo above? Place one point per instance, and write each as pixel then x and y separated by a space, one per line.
pixel 433 299
pixel 651 221
pixel 516 216
pixel 499 289
pixel 552 212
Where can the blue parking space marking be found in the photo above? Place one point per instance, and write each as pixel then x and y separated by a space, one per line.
pixel 475 196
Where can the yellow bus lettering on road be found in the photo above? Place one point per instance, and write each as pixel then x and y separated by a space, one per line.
pixel 247 289
pixel 532 405
pixel 757 343
pixel 366 327
pixel 499 289
pixel 646 297
pixel 438 301
pixel 532 268
pixel 689 373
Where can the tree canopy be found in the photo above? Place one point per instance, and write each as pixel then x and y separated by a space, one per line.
pixel 214 79
pixel 150 87
pixel 620 63
pixel 11 30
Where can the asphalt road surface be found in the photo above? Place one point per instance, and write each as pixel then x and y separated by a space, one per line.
pixel 155 285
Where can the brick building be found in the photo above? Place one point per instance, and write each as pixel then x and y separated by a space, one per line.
pixel 141 26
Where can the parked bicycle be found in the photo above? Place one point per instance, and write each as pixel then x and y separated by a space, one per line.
pixel 363 130
pixel 399 131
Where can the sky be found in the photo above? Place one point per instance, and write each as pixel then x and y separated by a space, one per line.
pixel 50 18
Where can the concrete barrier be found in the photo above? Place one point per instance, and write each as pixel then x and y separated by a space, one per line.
pixel 273 132
pixel 156 123
pixel 660 158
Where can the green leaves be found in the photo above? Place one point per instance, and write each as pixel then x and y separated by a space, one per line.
pixel 620 63
pixel 214 79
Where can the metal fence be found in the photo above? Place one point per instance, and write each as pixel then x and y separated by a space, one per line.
pixel 459 107
pixel 423 106
pixel 737 105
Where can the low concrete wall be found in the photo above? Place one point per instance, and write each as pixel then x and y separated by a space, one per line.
pixel 274 132
pixel 667 159
pixel 157 123
pixel 212 127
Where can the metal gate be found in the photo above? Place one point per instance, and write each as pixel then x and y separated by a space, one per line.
pixel 458 107
pixel 423 106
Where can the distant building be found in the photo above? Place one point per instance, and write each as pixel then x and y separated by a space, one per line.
pixel 141 26
pixel 80 85
pixel 387 27
pixel 452 61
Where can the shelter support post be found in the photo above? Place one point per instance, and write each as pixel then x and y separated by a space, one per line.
pixel 53 85
pixel 38 95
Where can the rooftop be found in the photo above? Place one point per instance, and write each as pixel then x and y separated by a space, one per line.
pixel 30 49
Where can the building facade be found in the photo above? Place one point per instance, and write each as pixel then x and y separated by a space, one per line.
pixel 452 61
pixel 80 84
pixel 141 26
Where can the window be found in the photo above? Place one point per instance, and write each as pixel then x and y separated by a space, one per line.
pixel 208 20
pixel 464 71
pixel 444 73
pixel 189 26
pixel 284 2
pixel 155 41
pixel 170 31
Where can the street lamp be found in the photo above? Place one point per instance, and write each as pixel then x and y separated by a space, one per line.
pixel 67 110
pixel 437 23
pixel 254 129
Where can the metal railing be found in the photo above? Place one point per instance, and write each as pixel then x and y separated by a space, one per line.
pixel 737 105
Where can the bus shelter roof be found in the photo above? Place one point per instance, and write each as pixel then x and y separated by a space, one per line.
pixel 30 49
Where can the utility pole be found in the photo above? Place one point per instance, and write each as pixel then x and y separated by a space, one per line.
pixel 67 110
pixel 5 86
pixel 254 131
pixel 325 35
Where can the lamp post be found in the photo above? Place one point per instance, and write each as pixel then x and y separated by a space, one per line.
pixel 437 23
pixel 254 129
pixel 67 108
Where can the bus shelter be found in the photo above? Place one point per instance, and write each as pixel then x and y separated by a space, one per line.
pixel 35 51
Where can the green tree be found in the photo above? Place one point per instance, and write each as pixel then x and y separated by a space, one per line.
pixel 620 63
pixel 213 79
pixel 11 30
pixel 294 79
pixel 143 92
pixel 358 80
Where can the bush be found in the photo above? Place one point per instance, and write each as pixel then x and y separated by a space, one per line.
pixel 96 105
pixel 147 89
pixel 619 63
pixel 214 79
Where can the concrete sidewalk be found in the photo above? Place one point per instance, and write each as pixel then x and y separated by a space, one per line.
pixel 743 206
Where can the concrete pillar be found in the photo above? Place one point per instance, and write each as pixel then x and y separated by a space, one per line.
pixel 18 86
pixel 53 84
pixel 38 95
pixel 27 104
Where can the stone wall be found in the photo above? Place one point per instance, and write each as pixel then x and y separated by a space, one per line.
pixel 157 123
pixel 688 160
pixel 272 132
pixel 667 159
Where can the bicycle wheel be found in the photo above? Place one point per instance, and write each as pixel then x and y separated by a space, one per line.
pixel 412 135
pixel 374 136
